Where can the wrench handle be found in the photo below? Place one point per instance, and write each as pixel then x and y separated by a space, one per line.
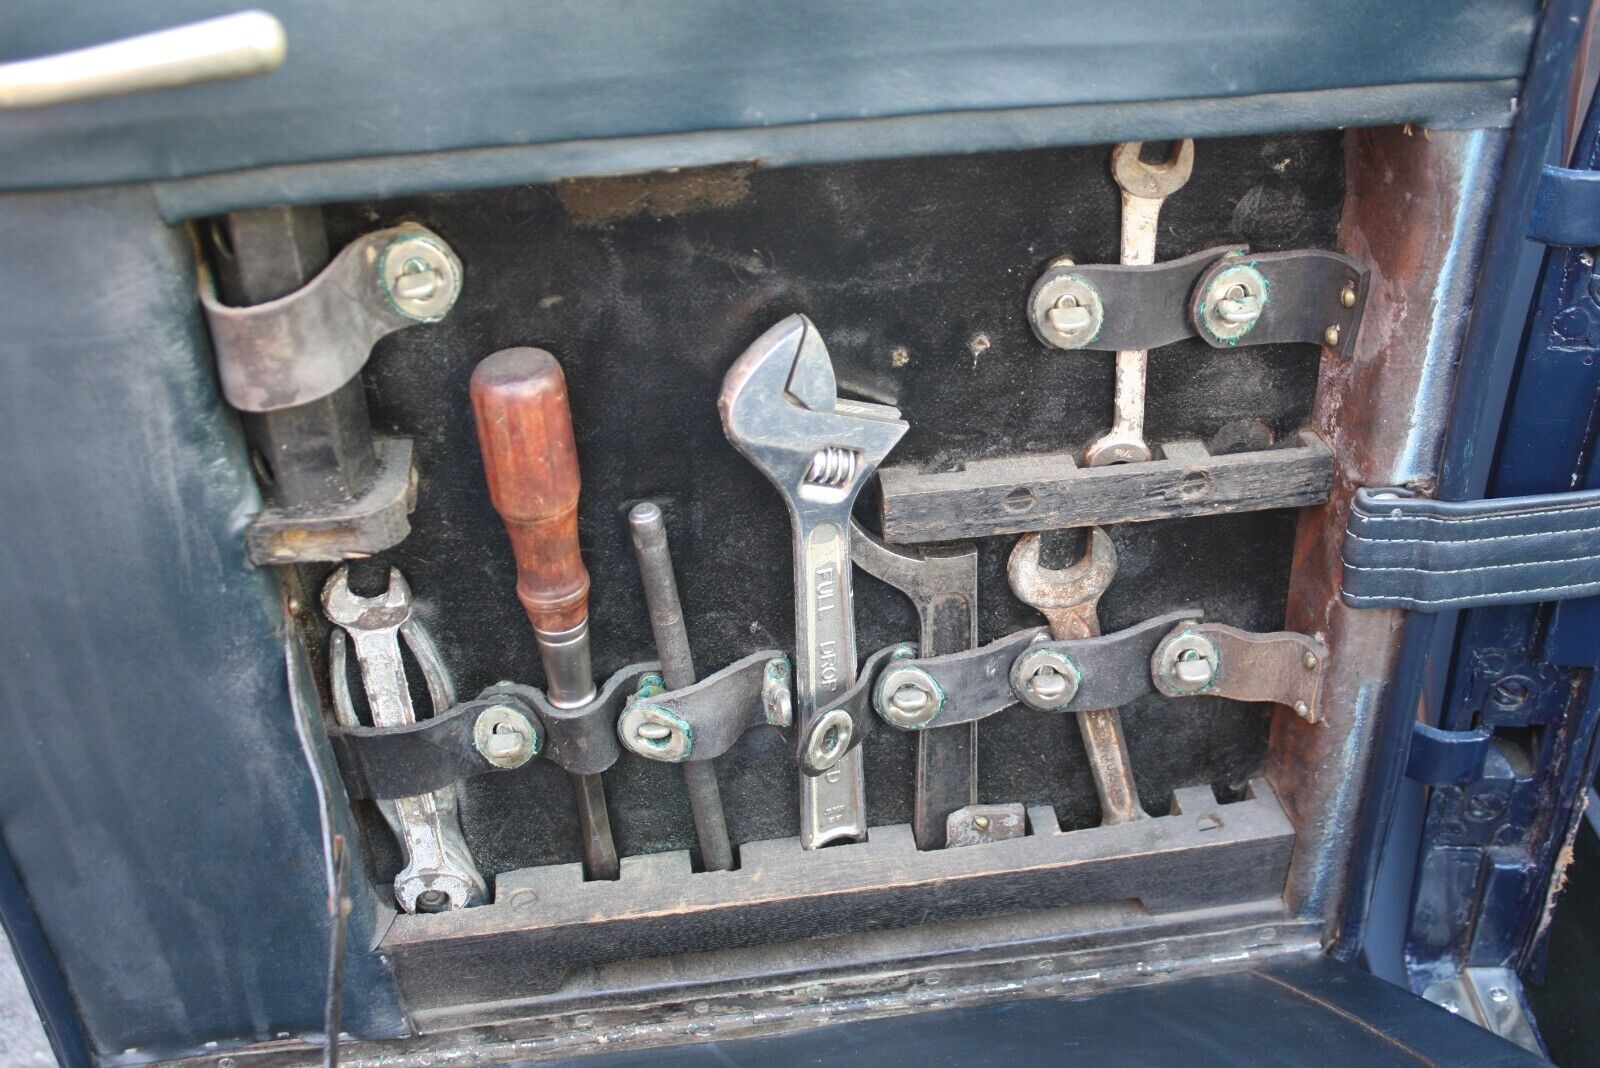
pixel 525 433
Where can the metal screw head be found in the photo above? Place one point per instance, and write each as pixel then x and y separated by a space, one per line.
pixel 1065 310
pixel 655 733
pixel 829 739
pixel 505 737
pixel 1330 336
pixel 1185 663
pixel 1232 303
pixel 421 276
pixel 907 697
pixel 981 822
pixel 1045 679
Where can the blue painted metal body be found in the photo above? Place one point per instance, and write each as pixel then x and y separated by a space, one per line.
pixel 1490 847
pixel 1507 277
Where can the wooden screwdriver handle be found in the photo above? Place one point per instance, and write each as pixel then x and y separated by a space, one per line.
pixel 525 432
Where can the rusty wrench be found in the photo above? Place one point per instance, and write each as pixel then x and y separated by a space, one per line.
pixel 1144 187
pixel 781 409
pixel 943 585
pixel 1067 598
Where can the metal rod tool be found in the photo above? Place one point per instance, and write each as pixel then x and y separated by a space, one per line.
pixel 649 531
pixel 943 586
pixel 1068 599
pixel 781 409
pixel 525 433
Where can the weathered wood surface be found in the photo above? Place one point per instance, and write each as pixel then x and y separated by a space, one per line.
pixel 1017 494
pixel 547 921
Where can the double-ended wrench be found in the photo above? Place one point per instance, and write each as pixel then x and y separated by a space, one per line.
pixel 438 873
pixel 1069 599
pixel 781 409
pixel 1144 187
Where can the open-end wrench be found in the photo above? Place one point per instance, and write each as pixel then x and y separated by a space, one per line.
pixel 1144 187
pixel 439 872
pixel 943 586
pixel 781 409
pixel 1067 598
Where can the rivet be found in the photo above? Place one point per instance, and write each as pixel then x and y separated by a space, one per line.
pixel 1347 295
pixel 1311 661
pixel 1330 336
pixel 1301 707
pixel 982 823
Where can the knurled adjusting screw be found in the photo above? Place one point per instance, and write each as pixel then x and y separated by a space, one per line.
pixel 907 696
pixel 1185 663
pixel 504 736
pixel 421 276
pixel 1045 679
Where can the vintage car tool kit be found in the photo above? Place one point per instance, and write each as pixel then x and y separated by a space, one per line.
pixel 666 584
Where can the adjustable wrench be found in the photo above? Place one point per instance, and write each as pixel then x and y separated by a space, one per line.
pixel 780 408
pixel 1067 598
pixel 1144 187
pixel 439 872
pixel 943 585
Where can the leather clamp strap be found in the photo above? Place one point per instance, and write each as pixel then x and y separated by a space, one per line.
pixel 1227 296
pixel 1404 551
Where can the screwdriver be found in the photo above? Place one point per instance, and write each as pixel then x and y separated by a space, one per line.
pixel 519 397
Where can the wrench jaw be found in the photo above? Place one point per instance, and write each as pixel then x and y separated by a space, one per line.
pixel 1117 447
pixel 780 409
pixel 439 873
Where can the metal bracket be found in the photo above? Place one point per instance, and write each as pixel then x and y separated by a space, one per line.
pixel 1447 758
pixel 304 346
pixel 1225 295
pixel 509 724
pixel 981 824
pixel 1104 307
pixel 1566 208
pixel 911 693
pixel 390 762
pixel 355 529
pixel 703 721
pixel 1284 668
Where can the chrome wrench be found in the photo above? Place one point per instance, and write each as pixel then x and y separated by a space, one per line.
pixel 1144 187
pixel 780 408
pixel 439 873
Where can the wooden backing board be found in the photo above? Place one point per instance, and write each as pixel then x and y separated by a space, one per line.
pixel 545 922
pixel 1050 491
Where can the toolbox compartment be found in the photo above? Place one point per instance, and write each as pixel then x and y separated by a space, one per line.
pixel 647 262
